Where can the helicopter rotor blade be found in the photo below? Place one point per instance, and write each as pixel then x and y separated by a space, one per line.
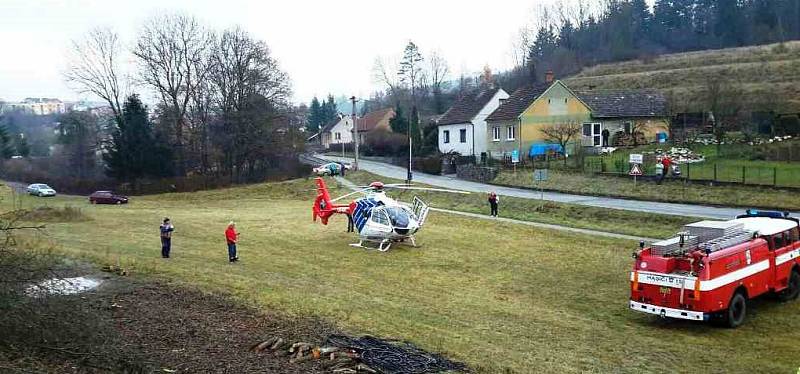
pixel 429 189
pixel 351 194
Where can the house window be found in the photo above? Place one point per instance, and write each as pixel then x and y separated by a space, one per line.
pixel 511 133
pixel 496 134
pixel 462 134
pixel 627 127
pixel 338 136
pixel 446 136
pixel 593 131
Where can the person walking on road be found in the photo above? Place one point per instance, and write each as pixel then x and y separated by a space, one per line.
pixel 493 200
pixel 166 237
pixel 232 237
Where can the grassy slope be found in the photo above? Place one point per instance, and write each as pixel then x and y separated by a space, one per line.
pixel 611 220
pixel 500 297
pixel 763 72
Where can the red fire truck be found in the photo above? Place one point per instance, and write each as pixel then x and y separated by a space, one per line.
pixel 711 269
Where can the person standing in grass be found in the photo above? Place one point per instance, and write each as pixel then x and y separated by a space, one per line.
pixel 232 237
pixel 166 237
pixel 493 200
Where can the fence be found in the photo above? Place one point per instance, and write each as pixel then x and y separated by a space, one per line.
pixel 774 176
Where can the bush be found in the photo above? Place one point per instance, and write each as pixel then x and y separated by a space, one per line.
pixel 429 165
pixel 385 144
pixel 54 214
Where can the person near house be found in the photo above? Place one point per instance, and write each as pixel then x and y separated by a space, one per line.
pixel 493 200
pixel 605 135
pixel 659 171
pixel 341 168
pixel 166 237
pixel 667 164
pixel 232 237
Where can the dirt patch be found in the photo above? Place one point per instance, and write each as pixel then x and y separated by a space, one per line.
pixel 189 331
pixel 143 327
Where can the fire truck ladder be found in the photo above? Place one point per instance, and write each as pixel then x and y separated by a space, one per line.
pixel 726 241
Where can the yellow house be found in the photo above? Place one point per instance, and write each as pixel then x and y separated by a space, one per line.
pixel 604 116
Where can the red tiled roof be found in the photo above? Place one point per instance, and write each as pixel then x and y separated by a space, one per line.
pixel 371 119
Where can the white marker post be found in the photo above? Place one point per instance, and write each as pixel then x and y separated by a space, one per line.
pixel 540 176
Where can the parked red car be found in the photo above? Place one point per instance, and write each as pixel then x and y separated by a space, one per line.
pixel 107 197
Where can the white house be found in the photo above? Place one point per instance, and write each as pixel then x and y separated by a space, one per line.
pixel 337 132
pixel 462 128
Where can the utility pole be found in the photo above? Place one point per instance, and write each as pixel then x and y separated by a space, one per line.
pixel 355 132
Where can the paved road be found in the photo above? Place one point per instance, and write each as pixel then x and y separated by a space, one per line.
pixel 691 210
pixel 549 226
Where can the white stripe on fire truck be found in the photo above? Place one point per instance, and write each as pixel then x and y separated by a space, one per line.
pixel 667 280
pixel 788 256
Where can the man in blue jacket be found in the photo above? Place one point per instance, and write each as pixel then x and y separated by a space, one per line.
pixel 166 237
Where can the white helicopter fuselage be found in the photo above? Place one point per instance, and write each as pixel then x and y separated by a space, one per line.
pixel 387 220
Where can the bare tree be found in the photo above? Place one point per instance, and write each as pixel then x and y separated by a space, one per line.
pixel 724 102
pixel 561 134
pixel 93 68
pixel 384 71
pixel 170 50
pixel 250 91
pixel 438 73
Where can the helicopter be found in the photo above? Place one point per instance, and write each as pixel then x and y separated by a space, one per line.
pixel 380 220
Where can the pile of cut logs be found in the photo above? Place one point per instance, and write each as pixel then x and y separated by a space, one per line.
pixel 338 360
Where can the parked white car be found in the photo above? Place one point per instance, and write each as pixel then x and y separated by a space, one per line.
pixel 41 190
pixel 331 168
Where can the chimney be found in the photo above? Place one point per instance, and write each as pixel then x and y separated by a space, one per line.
pixel 548 77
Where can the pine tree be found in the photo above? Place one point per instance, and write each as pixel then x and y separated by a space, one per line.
pixel 399 123
pixel 6 146
pixel 316 117
pixel 330 111
pixel 136 151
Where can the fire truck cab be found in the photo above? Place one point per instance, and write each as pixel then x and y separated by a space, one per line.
pixel 711 269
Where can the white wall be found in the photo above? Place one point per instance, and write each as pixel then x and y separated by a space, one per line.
pixel 343 127
pixel 455 143
pixel 480 130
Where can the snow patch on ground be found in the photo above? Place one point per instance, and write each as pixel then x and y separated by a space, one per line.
pixel 62 286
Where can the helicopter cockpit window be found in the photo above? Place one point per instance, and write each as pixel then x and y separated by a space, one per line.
pixel 379 216
pixel 398 217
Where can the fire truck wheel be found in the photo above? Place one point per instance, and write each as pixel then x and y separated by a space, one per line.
pixel 737 310
pixel 793 290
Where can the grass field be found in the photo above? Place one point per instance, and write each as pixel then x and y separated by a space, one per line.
pixel 670 191
pixel 764 73
pixel 501 297
pixel 580 216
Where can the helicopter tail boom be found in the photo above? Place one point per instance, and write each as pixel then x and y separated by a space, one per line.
pixel 323 207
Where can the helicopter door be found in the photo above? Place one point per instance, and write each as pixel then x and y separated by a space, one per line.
pixel 420 210
pixel 380 221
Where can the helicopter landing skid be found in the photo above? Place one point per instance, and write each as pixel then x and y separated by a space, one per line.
pixel 382 245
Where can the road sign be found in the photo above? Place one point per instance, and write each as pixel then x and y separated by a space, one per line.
pixel 515 156
pixel 540 175
pixel 636 158
pixel 636 170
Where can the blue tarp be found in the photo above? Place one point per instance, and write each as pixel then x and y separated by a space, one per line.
pixel 542 149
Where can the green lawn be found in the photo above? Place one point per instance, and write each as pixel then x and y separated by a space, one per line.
pixel 670 191
pixel 501 297
pixel 572 215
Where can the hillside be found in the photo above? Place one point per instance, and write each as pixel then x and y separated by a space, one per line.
pixel 762 71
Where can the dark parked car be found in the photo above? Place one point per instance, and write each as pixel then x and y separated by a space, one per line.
pixel 107 197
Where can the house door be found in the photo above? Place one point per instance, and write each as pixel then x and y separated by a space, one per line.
pixel 592 133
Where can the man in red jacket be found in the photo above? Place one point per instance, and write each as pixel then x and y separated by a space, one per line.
pixel 232 237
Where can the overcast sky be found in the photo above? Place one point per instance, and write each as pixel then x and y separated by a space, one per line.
pixel 325 46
